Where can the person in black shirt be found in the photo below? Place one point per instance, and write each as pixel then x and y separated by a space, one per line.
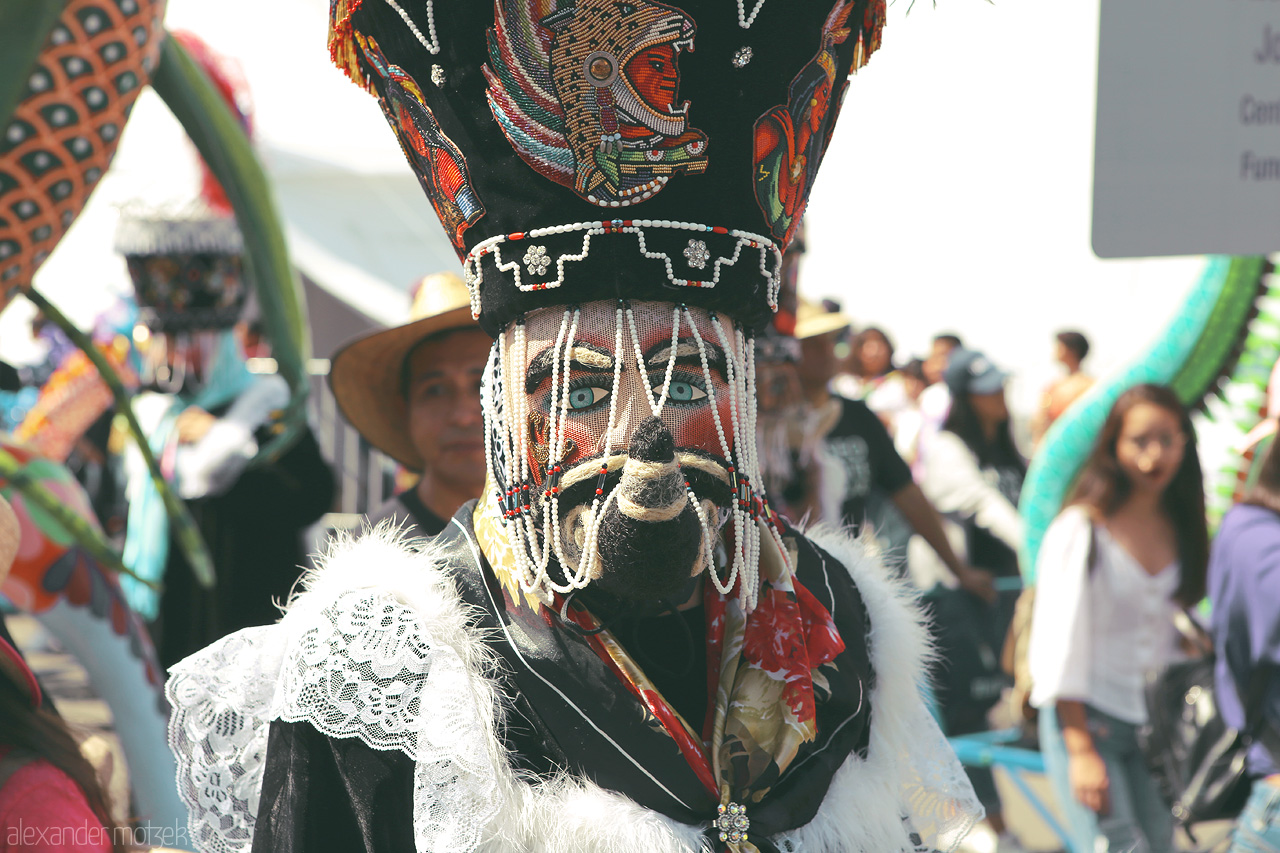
pixel 414 393
pixel 858 462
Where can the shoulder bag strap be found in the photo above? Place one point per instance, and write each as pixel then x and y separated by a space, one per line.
pixel 1256 727
pixel 1199 642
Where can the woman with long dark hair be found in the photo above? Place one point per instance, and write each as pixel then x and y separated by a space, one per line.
pixel 1128 552
pixel 1244 585
pixel 973 475
pixel 50 797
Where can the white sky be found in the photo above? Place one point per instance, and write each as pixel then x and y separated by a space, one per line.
pixel 955 194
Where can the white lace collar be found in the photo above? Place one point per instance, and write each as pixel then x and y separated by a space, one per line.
pixel 378 648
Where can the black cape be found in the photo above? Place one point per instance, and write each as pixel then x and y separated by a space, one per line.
pixel 567 712
pixel 254 534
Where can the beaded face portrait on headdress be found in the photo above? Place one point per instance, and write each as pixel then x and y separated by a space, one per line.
pixel 588 94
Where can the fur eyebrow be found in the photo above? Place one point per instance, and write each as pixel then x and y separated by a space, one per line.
pixel 584 356
pixel 687 353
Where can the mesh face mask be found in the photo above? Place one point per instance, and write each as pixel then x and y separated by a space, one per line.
pixel 567 390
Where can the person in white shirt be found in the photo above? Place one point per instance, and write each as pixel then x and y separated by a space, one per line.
pixel 1129 550
pixel 973 476
pixel 935 399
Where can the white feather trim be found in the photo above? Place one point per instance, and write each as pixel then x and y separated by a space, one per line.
pixel 388 558
pixel 909 769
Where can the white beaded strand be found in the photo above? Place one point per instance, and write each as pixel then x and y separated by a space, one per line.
pixel 517 529
pixel 587 560
pixel 742 386
pixel 591 539
pixel 594 519
pixel 487 412
pixel 535 568
pixel 737 389
pixel 736 564
pixel 537 547
pixel 635 342
pixel 555 454
pixel 746 21
pixel 433 46
pixel 671 360
pixel 543 556
pixel 752 447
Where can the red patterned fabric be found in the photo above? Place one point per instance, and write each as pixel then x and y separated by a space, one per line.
pixel 65 129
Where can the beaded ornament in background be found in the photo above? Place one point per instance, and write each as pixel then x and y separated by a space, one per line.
pixel 65 129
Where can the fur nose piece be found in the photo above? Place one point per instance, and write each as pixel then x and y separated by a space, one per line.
pixel 650 537
pixel 652 487
pixel 652 442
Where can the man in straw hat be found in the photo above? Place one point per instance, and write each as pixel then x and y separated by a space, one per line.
pixel 619 646
pixel 414 393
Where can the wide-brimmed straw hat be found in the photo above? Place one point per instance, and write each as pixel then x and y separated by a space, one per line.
pixel 812 319
pixel 366 374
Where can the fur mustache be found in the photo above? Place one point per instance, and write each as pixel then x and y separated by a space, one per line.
pixel 706 473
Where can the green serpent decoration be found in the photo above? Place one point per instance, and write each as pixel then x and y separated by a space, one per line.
pixel 1222 342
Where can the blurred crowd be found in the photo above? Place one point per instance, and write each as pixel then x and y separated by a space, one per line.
pixel 919 454
pixel 916 454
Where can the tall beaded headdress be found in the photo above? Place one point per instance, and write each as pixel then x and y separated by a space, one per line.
pixel 624 150
pixel 185 255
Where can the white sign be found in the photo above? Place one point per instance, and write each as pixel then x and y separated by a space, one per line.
pixel 1187 145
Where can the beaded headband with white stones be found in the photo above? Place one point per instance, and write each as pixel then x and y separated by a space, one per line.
pixel 698 256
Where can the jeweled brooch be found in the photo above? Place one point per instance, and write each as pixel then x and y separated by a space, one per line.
pixel 733 823
pixel 697 255
pixel 536 260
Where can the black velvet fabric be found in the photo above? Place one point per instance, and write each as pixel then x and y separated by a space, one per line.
pixel 325 794
pixel 672 650
pixel 567 712
pixel 745 113
pixel 254 534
